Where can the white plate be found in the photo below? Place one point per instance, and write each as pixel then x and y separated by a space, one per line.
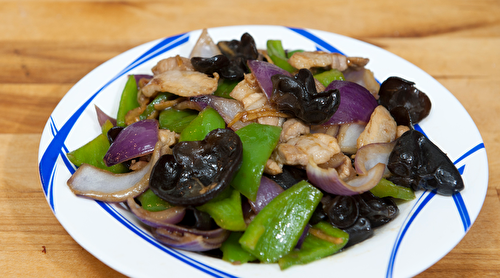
pixel 425 231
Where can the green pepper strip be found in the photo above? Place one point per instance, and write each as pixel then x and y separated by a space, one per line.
pixel 314 248
pixel 275 231
pixel 233 252
pixel 386 188
pixel 206 121
pixel 151 202
pixel 150 109
pixel 176 120
pixel 226 210
pixel 277 54
pixel 93 152
pixel 225 88
pixel 328 76
pixel 289 54
pixel 128 100
pixel 259 142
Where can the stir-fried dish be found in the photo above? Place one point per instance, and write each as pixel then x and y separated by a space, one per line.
pixel 263 155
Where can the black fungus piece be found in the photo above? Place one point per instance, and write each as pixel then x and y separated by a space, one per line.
pixel 418 163
pixel 378 210
pixel 113 133
pixel 199 220
pixel 210 65
pixel 360 231
pixel 290 176
pixel 342 211
pixel 318 215
pixel 197 171
pixel 297 95
pixel 238 53
pixel 397 93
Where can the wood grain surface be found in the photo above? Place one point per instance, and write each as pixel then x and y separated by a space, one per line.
pixel 47 46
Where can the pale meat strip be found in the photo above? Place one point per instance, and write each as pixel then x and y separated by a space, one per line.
pixel 173 63
pixel 380 129
pixel 181 83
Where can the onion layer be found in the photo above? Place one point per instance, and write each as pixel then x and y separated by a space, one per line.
pixel 156 219
pixel 135 140
pixel 328 180
pixel 356 103
pixel 190 239
pixel 268 189
pixel 263 71
pixel 98 184
pixel 370 155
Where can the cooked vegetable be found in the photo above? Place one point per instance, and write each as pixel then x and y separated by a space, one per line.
pixel 226 210
pixel 378 210
pixel 94 151
pixel 277 54
pixel 103 185
pixel 268 190
pixel 176 120
pixel 238 52
pixel 263 71
pixel 356 103
pixel 149 201
pixel 342 211
pixel 360 231
pixel 151 112
pixel 197 171
pixel 275 231
pixel 396 93
pixel 233 252
pixel 135 140
pixel 190 239
pixel 258 143
pixel 418 163
pixel 322 240
pixel 156 219
pixel 386 188
pixel 298 96
pixel 128 100
pixel 198 128
pixel 328 76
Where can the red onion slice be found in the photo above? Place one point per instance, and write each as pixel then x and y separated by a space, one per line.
pixel 268 189
pixel 187 240
pixel 329 181
pixel 205 46
pixel 103 117
pixel 98 184
pixel 227 108
pixel 356 103
pixel 370 155
pixel 135 140
pixel 263 71
pixel 157 219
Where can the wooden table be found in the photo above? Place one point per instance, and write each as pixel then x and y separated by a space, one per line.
pixel 46 47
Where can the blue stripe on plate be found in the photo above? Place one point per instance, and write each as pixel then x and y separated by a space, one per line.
pixel 457 198
pixel 172 252
pixel 320 44
pixel 49 157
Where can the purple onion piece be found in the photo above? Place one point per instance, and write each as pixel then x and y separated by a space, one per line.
pixel 103 117
pixel 268 189
pixel 157 219
pixel 135 140
pixel 190 241
pixel 227 108
pixel 141 76
pixel 328 180
pixel 303 236
pixel 356 103
pixel 102 185
pixel 263 71
pixel 370 155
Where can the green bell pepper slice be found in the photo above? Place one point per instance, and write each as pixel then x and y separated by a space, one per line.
pixel 93 152
pixel 329 242
pixel 176 120
pixel 386 188
pixel 276 229
pixel 226 210
pixel 128 100
pixel 233 252
pixel 151 202
pixel 225 88
pixel 150 108
pixel 277 54
pixel 259 142
pixel 206 121
pixel 328 76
